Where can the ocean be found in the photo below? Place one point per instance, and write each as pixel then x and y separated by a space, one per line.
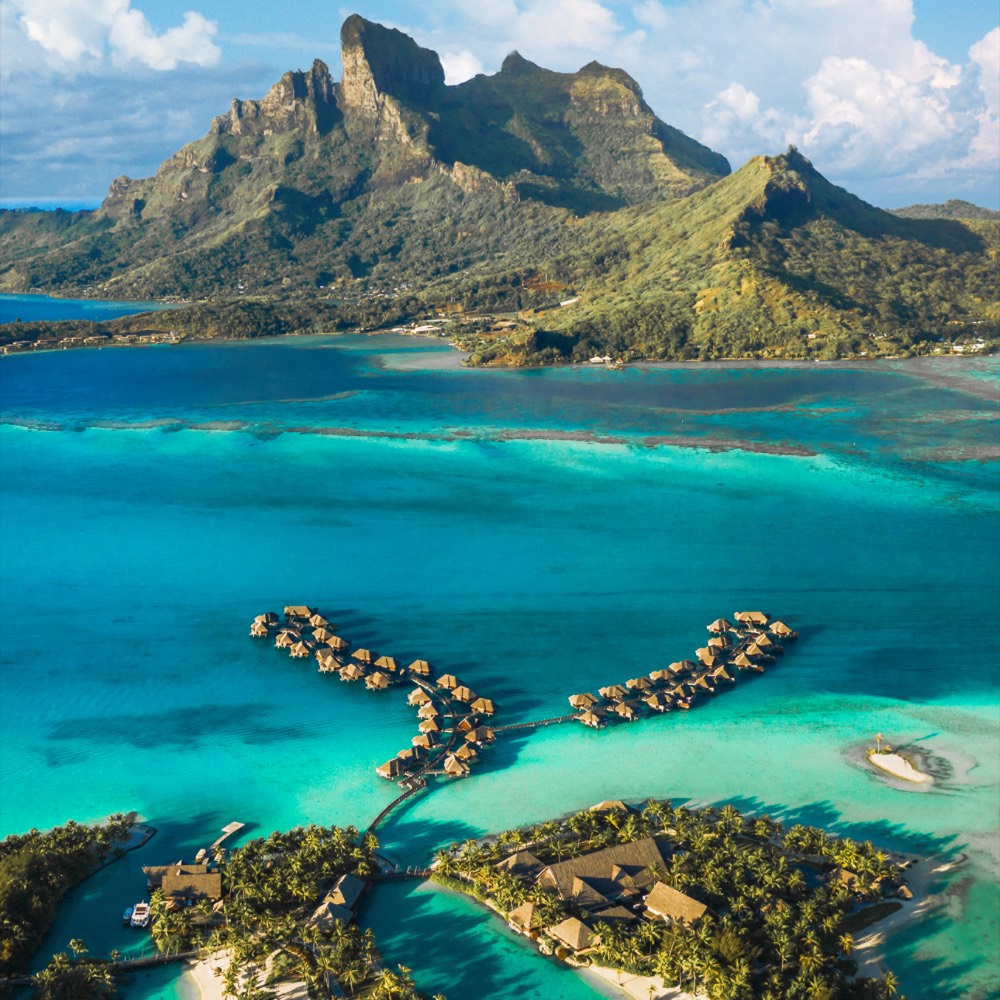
pixel 536 533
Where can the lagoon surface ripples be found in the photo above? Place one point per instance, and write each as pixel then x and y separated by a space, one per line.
pixel 534 532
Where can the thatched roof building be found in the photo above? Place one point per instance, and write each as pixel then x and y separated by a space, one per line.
pixel 467 752
pixel 482 706
pixel 363 656
pixel 616 872
pixel 525 918
pixel 327 660
pixel 321 634
pixel 269 618
pixel 317 620
pixel 781 630
pixel 346 891
pixel 720 625
pixel 751 617
pixel 179 885
pixel 455 767
pixel 480 735
pixel 613 692
pixel 463 693
pixel 718 642
pixel 575 935
pixel 391 768
pixel 582 701
pixel 418 696
pixel 335 642
pixel 614 915
pixel 660 675
pixel 286 639
pixel 628 710
pixel 420 667
pixel 426 740
pixel 448 681
pixel 524 865
pixel 639 684
pixel 681 667
pixel 388 664
pixel 658 702
pixel 327 915
pixel 155 873
pixel 672 906
pixel 301 649
pixel 259 630
pixel 429 726
pixel 592 719
pixel 377 681
pixel 412 755
pixel 428 711
pixel 298 611
pixel 351 672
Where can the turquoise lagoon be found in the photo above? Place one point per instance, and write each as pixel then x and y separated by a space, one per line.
pixel 34 308
pixel 536 533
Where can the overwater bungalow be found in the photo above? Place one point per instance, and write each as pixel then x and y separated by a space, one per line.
pixel 480 735
pixel 681 668
pixel 720 674
pixel 363 656
pixel 702 683
pixel 592 719
pixel 582 701
pixel 429 726
pixel 259 630
pixel 412 755
pixel 751 618
pixel 574 935
pixel 299 612
pixel 317 620
pixel 764 641
pixel 455 767
pixel 420 668
pixel 328 660
pixel 628 710
pixel 482 706
pixel 428 711
pixel 660 676
pixel 377 681
pixel 782 631
pixel 335 642
pixel 462 693
pixel 351 672
pixel 754 651
pixel 614 692
pixel 525 919
pixel 426 740
pixel 286 639
pixel 658 702
pixel 639 684
pixel 718 642
pixel 321 634
pixel 448 682
pixel 418 696
pixel 706 653
pixel 388 664
pixel 467 752
pixel 270 619
pixel 720 625
pixel 301 649
pixel 745 663
pixel 467 724
pixel 391 768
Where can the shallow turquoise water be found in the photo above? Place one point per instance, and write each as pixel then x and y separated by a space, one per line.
pixel 154 501
pixel 33 308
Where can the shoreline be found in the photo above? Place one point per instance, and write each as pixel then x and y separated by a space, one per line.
pixel 899 767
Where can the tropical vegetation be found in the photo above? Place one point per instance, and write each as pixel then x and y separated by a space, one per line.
pixel 777 926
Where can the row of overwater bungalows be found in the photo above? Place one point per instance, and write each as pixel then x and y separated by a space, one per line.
pixel 750 643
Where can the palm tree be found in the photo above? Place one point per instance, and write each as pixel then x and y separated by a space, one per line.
pixel 890 984
pixel 78 948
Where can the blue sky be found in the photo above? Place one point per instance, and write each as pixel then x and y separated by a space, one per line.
pixel 897 100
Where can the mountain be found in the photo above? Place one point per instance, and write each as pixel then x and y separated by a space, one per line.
pixel 954 208
pixel 390 194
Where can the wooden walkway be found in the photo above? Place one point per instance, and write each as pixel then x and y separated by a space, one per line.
pixel 534 725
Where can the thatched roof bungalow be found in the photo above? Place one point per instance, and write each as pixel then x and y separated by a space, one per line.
pixel 421 668
pixel 482 706
pixel 720 625
pixel 301 649
pixel 364 656
pixel 575 935
pixel 156 873
pixel 412 755
pixel 346 891
pixel 335 642
pixel 613 692
pixel 377 681
pixel 321 634
pixel 388 664
pixel 639 684
pixel 582 701
pixel 628 710
pixel 448 682
pixel 681 667
pixel 463 693
pixel 525 918
pixel 418 696
pixel 660 675
pixel 429 726
pixel 426 740
pixel 592 719
pixel 391 768
pixel 616 872
pixel 428 711
pixel 298 611
pixel 259 630
pixel 467 752
pixel 782 631
pixel 180 886
pixel 480 735
pixel 751 618
pixel 327 915
pixel 524 865
pixel 718 642
pixel 317 620
pixel 286 639
pixel 455 767
pixel 351 672
pixel 269 618
pixel 674 907
pixel 658 702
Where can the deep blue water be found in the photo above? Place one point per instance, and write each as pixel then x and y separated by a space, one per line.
pixel 536 533
pixel 34 308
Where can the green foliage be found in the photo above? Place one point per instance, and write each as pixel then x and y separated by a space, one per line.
pixel 66 978
pixel 36 871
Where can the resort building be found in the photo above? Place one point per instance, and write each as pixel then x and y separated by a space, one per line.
pixel 184 887
pixel 574 935
pixel 666 903
pixel 524 865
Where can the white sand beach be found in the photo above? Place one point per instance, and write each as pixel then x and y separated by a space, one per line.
pixel 200 980
pixel 639 987
pixel 898 767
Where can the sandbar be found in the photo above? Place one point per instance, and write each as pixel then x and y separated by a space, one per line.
pixel 639 987
pixel 898 767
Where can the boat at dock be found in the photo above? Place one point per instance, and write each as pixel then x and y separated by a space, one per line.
pixel 140 915
pixel 127 917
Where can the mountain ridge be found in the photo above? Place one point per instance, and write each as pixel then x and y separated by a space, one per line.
pixel 393 187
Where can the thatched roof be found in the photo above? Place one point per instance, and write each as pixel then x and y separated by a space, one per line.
pixel 346 891
pixel 363 655
pixel 317 620
pixel 412 754
pixel 590 718
pixel 584 700
pixel 467 752
pixel 627 710
pixel 452 765
pixel 420 667
pixel 286 639
pixel 321 634
pixel 720 674
pixel 335 642
pixel 462 693
pixel 178 884
pixel 387 663
pixel 448 681
pixel 483 706
pixel 298 611
pixel 742 660
pixel 575 935
pixel 525 917
pixel 352 672
pixel 660 702
pixel 780 628
pixel 327 915
pixel 753 650
pixel 705 653
pixel 391 768
pixel 712 660
pixel 426 740
pixel 613 915
pixel 719 642
pixel 377 681
pixel 610 870
pixel 613 692
pixel 268 618
pixel 429 726
pixel 639 684
pixel 428 711
pixel 660 675
pixel 523 864
pixel 665 901
pixel 154 873
pixel 301 649
pixel 763 640
pixel 611 805
pixel 418 696
pixel 751 617
pixel 481 734
pixel 720 625
pixel 258 630
pixel 681 667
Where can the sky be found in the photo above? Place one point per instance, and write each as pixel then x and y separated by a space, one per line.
pixel 896 100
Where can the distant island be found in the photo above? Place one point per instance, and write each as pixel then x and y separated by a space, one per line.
pixel 548 217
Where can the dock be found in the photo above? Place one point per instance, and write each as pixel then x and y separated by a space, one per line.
pixel 537 724
pixel 227 831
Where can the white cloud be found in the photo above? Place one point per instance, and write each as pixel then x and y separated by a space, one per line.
pixel 75 32
pixel 460 66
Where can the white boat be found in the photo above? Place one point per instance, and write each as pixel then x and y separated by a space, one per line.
pixel 140 915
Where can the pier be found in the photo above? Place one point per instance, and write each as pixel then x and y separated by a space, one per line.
pixel 554 720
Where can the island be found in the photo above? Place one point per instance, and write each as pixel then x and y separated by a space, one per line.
pixel 895 764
